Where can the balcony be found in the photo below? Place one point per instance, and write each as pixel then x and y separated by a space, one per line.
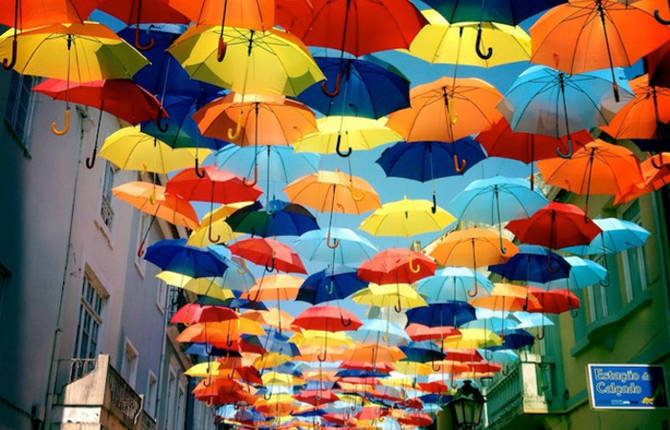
pixel 523 392
pixel 95 396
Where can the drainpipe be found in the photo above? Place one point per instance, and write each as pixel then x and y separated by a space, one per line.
pixel 68 248
pixel 659 210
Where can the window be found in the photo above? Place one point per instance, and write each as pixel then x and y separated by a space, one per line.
pixel 161 295
pixel 106 211
pixel 19 105
pixel 633 259
pixel 150 396
pixel 179 409
pixel 171 395
pixel 88 325
pixel 129 363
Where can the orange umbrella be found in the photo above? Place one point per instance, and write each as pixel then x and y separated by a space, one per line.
pixel 447 110
pixel 508 297
pixel 275 287
pixel 474 247
pixel 220 332
pixel 153 199
pixel 655 174
pixel 585 35
pixel 272 317
pixel 374 353
pixel 598 168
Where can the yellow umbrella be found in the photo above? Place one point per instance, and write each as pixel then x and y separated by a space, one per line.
pixel 73 53
pixel 406 218
pixel 472 338
pixel 318 338
pixel 412 368
pixel 404 381
pixel 275 378
pixel 130 149
pixel 224 211
pixel 210 287
pixel 257 62
pixel 203 235
pixel 270 360
pixel 441 42
pixel 204 370
pixel 400 296
pixel 342 134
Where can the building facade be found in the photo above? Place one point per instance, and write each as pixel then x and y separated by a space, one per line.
pixel 75 299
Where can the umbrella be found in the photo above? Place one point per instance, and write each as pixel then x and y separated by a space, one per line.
pixel 497 200
pixel 61 50
pixel 582 274
pixel 447 110
pixel 554 301
pixel 448 313
pixel 452 283
pixel 218 230
pixel 422 351
pixel 376 331
pixel 276 163
pixel 130 149
pixel 616 235
pixel 192 313
pixel 256 62
pixel 372 88
pixel 351 132
pixel 406 218
pixel 351 249
pixel 329 319
pixel 274 287
pixel 271 254
pixel 501 141
pixel 436 41
pixel 585 35
pixel 534 264
pixel 398 296
pixel 598 168
pixel 538 102
pixel 174 255
pixel 280 218
pixel 471 338
pixel 332 283
pixel 474 248
pixel 215 287
pixel 515 339
pixel 273 317
pixel 119 97
pixel 422 332
pixel 396 265
pixel 255 14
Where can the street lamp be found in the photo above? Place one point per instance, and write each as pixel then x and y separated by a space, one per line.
pixel 467 405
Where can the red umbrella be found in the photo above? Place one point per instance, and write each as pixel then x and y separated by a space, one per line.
pixel 556 225
pixel 215 186
pixel 396 266
pixel 327 318
pixel 413 403
pixel 368 413
pixel 316 397
pixel 341 419
pixel 120 97
pixel 484 367
pixel 501 141
pixel 435 387
pixel 419 332
pixel 418 419
pixel 270 253
pixel 555 301
pixel 192 313
pixel 463 355
pixel 658 64
pixel 135 12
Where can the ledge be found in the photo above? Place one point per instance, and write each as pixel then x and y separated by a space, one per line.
pixel 594 329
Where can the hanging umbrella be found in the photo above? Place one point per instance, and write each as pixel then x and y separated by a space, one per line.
pixel 422 351
pixel 377 330
pixel 219 230
pixel 452 283
pixel 273 317
pixel 269 253
pixel 515 339
pixel 585 35
pixel 533 264
pixel 554 301
pixel 396 265
pixel 406 218
pixel 398 296
pixel 448 313
pixel 616 235
pixel 276 163
pixel 329 319
pixel 547 101
pixel 472 338
pixel 373 353
pixel 351 132
pixel 352 248
pixel 215 287
pixel 372 88
pixel 501 141
pixel 274 287
pixel 436 41
pixel 174 255
pixel 280 218
pixel 598 168
pixel 254 62
pixel 61 50
pixel 192 313
pixel 582 274
pixel 130 149
pixel 333 283
pixel 420 332
pixel 255 14
pixel 447 110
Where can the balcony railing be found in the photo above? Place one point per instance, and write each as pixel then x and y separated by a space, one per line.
pixel 106 212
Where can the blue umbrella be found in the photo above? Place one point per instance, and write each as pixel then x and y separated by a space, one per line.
pixel 453 283
pixel 497 166
pixel 493 323
pixel 422 352
pixel 246 304
pixel 533 263
pixel 538 101
pixel 515 339
pixel 276 163
pixel 357 373
pixel 530 319
pixel 425 161
pixel 449 313
pixel 582 274
pixel 205 350
pixel 332 283
pixel 277 342
pixel 369 88
pixel 510 12
pixel 174 255
pixel 378 330
pixel 279 218
pixel 352 248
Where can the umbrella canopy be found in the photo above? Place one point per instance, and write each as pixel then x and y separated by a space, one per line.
pixel 507 11
pixel 332 283
pixel 276 163
pixel 420 332
pixel 215 287
pixel 255 14
pixel 472 338
pixel 582 274
pixel 327 318
pixel 274 287
pixel 534 264
pixel 396 265
pixel 449 313
pixel 554 301
pixel 406 218
pixel 36 13
pixel 452 283
pixel 616 235
pixel 380 331
pixel 271 254
pixel 422 351
pixel 280 218
pixel 192 313
pixel 352 248
pixel 214 186
pixel 369 88
pixel 473 247
pixel 174 255
pixel 398 296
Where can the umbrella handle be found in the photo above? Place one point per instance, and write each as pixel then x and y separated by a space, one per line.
pixel 266 397
pixel 90 161
pixel 258 294
pixel 459 166
pixel 574 313
pixel 478 48
pixel 254 181
pixel 398 306
pixel 9 64
pixel 161 127
pixel 569 153
pixel 209 235
pixel 140 249
pixel 433 208
pixel 320 358
pixel 338 84
pixel 244 270
pixel 152 197
pixel 660 154
pixel 435 369
pixel 605 283
pixel 338 147
pixel 272 266
pixel 357 198
pixel 66 126
pixel 504 370
pixel 200 173
pixel 475 292
pixel 412 268
pixel 344 322
pixel 138 45
pixel 221 49
pixel 335 243
pixel 541 334
pixel 233 135
pixel 657 15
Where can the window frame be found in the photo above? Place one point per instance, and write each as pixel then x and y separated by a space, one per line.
pixel 17 83
pixel 93 309
pixel 151 395
pixel 131 377
pixel 625 256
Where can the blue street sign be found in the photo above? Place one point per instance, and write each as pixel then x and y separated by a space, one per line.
pixel 627 386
